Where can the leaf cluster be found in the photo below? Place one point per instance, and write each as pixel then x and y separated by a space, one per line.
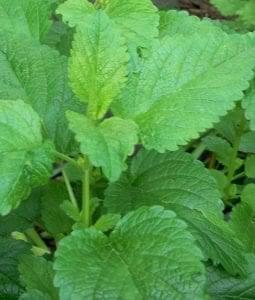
pixel 127 142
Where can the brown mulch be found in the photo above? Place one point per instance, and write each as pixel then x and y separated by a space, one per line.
pixel 200 8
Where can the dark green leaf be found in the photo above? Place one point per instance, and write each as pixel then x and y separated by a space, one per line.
pixel 149 255
pixel 37 273
pixel 53 216
pixel 178 182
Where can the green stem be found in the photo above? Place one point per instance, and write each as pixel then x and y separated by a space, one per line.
pixel 238 176
pixel 198 151
pixel 33 235
pixel 66 158
pixel 85 213
pixel 69 189
pixel 232 165
pixel 212 161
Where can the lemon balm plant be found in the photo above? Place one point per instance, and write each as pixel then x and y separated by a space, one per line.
pixel 105 110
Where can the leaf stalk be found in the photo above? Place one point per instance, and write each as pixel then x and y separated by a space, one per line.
pixel 85 212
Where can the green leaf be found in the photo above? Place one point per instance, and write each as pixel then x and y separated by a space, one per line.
pixel 28 18
pixel 9 290
pixel 247 142
pixel 222 286
pixel 108 144
pixel 178 182
pixel 174 97
pixel 244 9
pixel 173 177
pixel 19 173
pixel 243 218
pixel 250 166
pixel 75 12
pixel 73 172
pixel 175 22
pixel 97 75
pixel 215 238
pixel 228 127
pixel 70 210
pixel 53 216
pixel 221 148
pixel 228 7
pixel 131 16
pixel 20 127
pixel 35 294
pixel 38 75
pixel 249 105
pixel 23 217
pixel 25 161
pixel 37 274
pixel 248 195
pixel 149 255
pixel 10 251
pixel 138 20
pixel 247 13
pixel 60 37
pixel 107 222
pixel 221 180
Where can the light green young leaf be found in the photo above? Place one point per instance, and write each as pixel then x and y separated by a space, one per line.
pixel 185 86
pixel 243 218
pixel 38 75
pixel 98 64
pixel 76 12
pixel 29 18
pixel 149 255
pixel 107 222
pixel 250 166
pixel 10 251
pixel 25 161
pixel 108 144
pixel 53 216
pixel 178 182
pixel 131 16
pixel 138 20
pixel 175 22
pixel 37 273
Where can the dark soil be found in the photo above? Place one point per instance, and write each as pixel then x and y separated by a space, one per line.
pixel 200 8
